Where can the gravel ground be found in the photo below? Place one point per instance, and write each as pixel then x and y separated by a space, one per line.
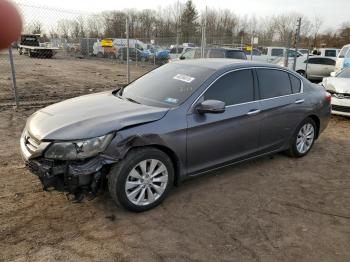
pixel 271 209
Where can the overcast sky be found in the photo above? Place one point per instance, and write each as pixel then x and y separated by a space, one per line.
pixel 334 12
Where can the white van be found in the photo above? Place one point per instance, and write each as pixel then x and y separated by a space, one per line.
pixel 343 59
pixel 273 54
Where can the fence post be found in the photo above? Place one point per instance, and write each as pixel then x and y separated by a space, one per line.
pixel 307 57
pixel 297 35
pixel 13 71
pixel 127 51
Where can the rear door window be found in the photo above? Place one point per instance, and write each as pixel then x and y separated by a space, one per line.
pixel 327 61
pixel 273 83
pixel 314 61
pixel 233 88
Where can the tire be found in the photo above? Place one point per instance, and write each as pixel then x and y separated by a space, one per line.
pixel 100 55
pixel 135 190
pixel 300 138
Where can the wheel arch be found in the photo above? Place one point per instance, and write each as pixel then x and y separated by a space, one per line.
pixel 317 122
pixel 171 154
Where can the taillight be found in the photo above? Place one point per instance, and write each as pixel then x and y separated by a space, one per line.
pixel 329 97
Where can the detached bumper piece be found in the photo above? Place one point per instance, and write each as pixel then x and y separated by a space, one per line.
pixel 77 178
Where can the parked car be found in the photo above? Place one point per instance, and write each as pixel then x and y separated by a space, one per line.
pixel 343 59
pixel 134 54
pixel 180 120
pixel 273 54
pixel 174 52
pixel 339 87
pixel 195 53
pixel 314 68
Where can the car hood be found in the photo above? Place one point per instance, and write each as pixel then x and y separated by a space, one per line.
pixel 89 116
pixel 338 85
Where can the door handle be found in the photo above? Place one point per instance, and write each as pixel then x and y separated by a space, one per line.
pixel 299 101
pixel 253 112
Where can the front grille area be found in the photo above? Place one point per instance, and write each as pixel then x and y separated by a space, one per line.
pixel 345 109
pixel 341 95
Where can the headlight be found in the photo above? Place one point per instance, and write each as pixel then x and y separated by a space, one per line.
pixel 79 149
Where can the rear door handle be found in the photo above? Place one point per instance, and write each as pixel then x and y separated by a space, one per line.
pixel 299 101
pixel 253 112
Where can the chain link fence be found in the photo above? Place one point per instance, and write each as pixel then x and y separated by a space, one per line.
pixel 64 53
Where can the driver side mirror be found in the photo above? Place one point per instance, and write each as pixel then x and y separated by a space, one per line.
pixel 211 106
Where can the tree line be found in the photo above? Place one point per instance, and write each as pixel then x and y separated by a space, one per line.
pixel 182 22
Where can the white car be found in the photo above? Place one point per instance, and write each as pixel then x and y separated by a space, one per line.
pixel 343 60
pixel 339 87
pixel 314 68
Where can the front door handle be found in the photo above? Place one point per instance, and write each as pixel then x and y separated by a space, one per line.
pixel 253 112
pixel 299 101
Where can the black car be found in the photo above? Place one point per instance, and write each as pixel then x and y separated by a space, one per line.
pixel 180 120
pixel 194 53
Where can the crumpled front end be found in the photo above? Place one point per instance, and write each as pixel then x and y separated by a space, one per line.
pixel 78 178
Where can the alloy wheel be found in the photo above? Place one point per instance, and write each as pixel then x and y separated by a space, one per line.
pixel 146 182
pixel 305 138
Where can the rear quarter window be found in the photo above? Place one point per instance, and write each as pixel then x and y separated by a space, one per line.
pixel 295 83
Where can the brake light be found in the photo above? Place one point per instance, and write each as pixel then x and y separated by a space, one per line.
pixel 329 97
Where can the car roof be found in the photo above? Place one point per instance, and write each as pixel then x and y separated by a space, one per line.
pixel 224 63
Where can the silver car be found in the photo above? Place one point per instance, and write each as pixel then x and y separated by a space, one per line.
pixel 180 120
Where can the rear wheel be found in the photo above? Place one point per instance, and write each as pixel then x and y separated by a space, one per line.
pixel 303 138
pixel 142 180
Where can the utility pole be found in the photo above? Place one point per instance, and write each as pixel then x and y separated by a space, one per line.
pixel 296 41
pixel 286 58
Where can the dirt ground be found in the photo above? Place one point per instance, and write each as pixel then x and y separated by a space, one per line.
pixel 271 209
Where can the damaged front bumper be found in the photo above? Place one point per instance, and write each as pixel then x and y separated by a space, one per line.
pixel 76 177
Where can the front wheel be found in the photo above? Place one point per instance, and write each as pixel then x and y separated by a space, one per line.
pixel 142 180
pixel 303 138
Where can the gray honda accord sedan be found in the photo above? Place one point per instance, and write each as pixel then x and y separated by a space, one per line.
pixel 180 120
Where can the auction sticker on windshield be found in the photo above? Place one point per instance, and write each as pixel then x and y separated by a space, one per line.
pixel 184 78
pixel 171 100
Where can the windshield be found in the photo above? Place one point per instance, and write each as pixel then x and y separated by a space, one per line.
pixel 344 73
pixel 343 52
pixel 167 86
